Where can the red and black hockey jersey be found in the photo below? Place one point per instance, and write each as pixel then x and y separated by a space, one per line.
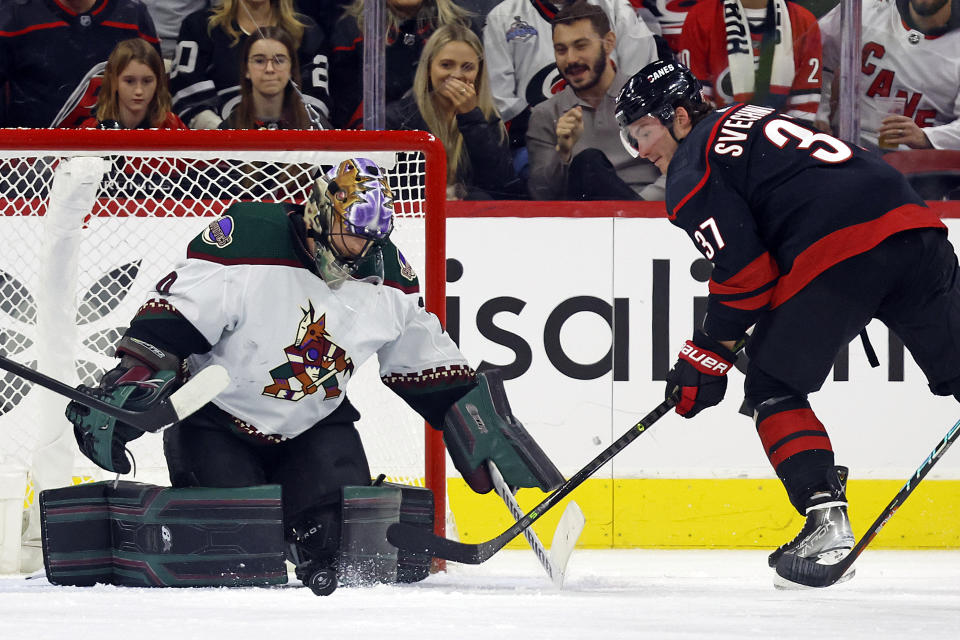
pixel 772 204
pixel 47 49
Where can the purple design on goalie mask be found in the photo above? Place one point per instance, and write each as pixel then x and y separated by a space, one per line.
pixel 219 232
pixel 362 198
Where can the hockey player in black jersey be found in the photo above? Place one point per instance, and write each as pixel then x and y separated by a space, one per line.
pixel 810 238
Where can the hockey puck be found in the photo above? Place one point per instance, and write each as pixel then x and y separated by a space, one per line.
pixel 323 582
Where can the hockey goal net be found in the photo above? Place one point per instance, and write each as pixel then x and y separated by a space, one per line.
pixel 90 221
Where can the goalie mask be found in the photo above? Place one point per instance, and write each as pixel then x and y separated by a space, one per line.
pixel 654 91
pixel 349 214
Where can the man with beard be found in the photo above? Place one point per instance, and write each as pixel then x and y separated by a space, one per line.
pixel 573 139
pixel 519 54
pixel 911 51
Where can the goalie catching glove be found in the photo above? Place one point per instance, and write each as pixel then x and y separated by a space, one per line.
pixel 480 427
pixel 135 384
pixel 699 378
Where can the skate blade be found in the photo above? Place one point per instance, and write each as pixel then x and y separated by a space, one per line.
pixel 782 584
pixel 827 557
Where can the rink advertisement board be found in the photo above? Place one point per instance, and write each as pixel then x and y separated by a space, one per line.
pixel 585 305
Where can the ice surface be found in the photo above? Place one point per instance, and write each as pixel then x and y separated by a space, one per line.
pixel 608 594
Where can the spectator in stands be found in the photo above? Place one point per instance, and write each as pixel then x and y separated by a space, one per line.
pixel 50 51
pixel 207 67
pixel 911 50
pixel 765 52
pixel 134 92
pixel 168 16
pixel 573 138
pixel 451 99
pixel 268 100
pixel 519 50
pixel 409 24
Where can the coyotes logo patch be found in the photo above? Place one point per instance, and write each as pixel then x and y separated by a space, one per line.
pixel 313 361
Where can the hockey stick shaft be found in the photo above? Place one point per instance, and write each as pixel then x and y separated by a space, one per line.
pixel 502 490
pixel 412 538
pixel 415 538
pixel 807 572
pixel 165 413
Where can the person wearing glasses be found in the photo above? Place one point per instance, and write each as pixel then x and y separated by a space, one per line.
pixel 268 100
pixel 207 66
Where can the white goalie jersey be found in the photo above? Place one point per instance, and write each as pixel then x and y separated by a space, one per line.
pixel 901 62
pixel 290 342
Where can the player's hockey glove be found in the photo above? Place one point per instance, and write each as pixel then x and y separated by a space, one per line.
pixel 480 427
pixel 699 378
pixel 101 437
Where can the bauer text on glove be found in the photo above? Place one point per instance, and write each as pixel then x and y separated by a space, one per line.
pixel 699 378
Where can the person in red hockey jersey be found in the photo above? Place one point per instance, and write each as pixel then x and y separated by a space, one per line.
pixel 762 51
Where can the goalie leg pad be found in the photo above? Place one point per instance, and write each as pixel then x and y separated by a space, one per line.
pixel 481 427
pixel 351 537
pixel 367 557
pixel 135 534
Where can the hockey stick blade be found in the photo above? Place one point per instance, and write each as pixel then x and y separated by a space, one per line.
pixel 807 572
pixel 565 538
pixel 199 390
pixel 184 401
pixel 414 538
pixel 565 535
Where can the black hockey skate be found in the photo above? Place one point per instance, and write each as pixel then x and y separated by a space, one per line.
pixel 826 535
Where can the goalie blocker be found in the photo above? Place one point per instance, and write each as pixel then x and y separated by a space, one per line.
pixel 480 427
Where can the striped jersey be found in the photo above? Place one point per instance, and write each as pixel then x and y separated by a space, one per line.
pixel 773 203
pixel 47 51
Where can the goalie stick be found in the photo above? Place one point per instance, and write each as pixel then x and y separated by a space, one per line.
pixel 413 538
pixel 195 392
pixel 807 572
pixel 564 536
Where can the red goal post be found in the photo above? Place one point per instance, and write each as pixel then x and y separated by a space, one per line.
pixel 86 214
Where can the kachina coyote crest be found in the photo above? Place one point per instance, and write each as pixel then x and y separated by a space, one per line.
pixel 312 360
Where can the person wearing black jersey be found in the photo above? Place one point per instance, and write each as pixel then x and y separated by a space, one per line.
pixel 810 238
pixel 50 51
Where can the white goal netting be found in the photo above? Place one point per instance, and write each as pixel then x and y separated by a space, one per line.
pixel 91 220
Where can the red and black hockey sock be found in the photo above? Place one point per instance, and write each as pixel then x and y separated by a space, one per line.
pixel 797 445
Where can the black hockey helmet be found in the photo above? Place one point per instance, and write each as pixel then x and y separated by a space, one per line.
pixel 655 90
